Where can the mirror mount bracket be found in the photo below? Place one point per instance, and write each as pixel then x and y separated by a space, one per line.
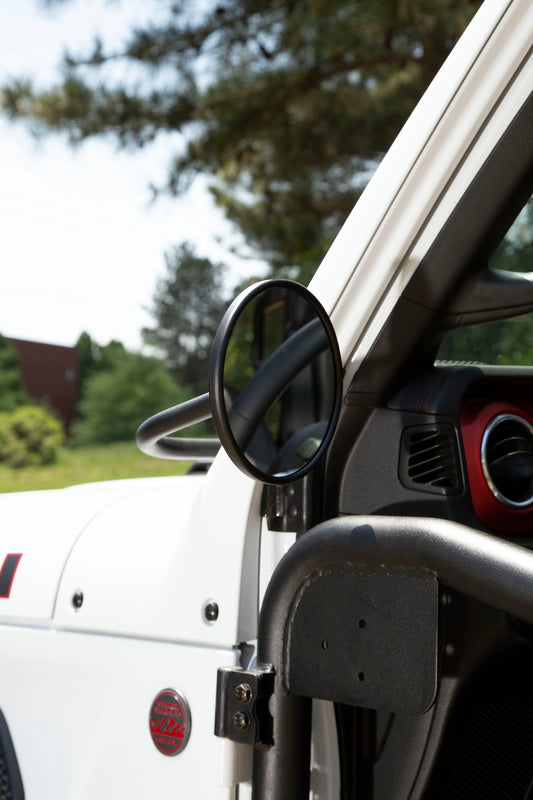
pixel 287 507
pixel 153 435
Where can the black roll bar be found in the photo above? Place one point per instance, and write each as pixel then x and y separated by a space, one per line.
pixel 480 565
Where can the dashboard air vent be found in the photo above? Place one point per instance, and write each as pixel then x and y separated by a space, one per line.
pixel 507 459
pixel 429 459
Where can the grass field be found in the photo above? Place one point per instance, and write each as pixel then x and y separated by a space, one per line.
pixel 84 465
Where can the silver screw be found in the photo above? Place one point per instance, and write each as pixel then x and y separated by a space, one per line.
pixel 243 693
pixel 241 721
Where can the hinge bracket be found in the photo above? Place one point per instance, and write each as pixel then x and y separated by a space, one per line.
pixel 242 713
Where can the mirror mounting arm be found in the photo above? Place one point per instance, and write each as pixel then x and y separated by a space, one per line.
pixel 153 435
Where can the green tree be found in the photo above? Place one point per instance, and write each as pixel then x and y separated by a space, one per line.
pixel 187 306
pixel 12 394
pixel 285 105
pixel 87 357
pixel 93 358
pixel 118 399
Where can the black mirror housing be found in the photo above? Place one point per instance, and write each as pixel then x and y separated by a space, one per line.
pixel 275 381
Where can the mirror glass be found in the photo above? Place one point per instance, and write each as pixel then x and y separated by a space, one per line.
pixel 275 381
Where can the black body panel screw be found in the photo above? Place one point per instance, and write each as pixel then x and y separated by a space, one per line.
pixel 77 599
pixel 211 612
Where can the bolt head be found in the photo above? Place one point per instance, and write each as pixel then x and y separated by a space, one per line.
pixel 241 721
pixel 292 511
pixel 211 612
pixel 77 599
pixel 243 693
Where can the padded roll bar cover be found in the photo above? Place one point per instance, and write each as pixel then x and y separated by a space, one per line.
pixel 365 636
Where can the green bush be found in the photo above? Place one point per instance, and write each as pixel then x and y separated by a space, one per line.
pixel 117 399
pixel 29 436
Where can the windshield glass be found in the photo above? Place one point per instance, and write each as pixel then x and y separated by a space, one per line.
pixel 508 341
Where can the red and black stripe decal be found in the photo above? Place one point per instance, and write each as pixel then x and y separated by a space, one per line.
pixel 7 573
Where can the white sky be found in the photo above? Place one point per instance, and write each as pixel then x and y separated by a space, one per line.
pixel 81 247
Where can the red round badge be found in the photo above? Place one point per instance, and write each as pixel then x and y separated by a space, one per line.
pixel 170 722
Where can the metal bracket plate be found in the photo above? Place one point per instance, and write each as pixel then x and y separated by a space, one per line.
pixel 242 713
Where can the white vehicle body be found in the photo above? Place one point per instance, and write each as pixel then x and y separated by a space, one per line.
pixel 77 683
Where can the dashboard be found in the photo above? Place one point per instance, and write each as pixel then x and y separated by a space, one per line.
pixel 455 443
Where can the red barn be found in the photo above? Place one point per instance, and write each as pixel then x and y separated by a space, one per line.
pixel 49 374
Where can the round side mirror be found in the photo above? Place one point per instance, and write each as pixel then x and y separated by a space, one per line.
pixel 275 381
